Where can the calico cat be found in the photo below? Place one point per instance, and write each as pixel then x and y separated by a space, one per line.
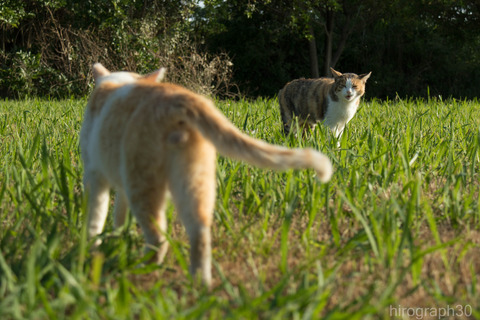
pixel 332 100
pixel 143 138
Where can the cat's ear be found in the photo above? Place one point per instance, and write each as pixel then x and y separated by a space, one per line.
pixel 365 76
pixel 335 73
pixel 156 76
pixel 99 71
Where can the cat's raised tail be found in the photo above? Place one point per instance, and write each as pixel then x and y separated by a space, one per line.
pixel 231 142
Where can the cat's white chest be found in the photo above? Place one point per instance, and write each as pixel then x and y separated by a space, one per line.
pixel 339 113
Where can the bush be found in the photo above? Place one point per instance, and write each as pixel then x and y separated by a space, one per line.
pixel 51 53
pixel 198 71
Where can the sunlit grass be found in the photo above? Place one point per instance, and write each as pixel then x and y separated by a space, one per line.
pixel 398 225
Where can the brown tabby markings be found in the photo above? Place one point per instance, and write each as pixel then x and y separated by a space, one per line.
pixel 310 99
pixel 144 138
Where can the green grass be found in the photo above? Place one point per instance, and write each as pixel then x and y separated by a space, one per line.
pixel 397 227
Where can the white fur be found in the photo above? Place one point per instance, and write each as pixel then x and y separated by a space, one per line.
pixel 95 163
pixel 94 169
pixel 121 77
pixel 340 112
pixel 348 92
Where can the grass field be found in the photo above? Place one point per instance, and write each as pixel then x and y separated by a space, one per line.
pixel 395 234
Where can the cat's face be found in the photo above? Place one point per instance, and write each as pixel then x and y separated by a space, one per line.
pixel 349 86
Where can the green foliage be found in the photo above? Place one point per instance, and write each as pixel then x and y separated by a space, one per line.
pixel 398 225
pixel 47 47
pixel 12 12
pixel 263 45
pixel 412 46
pixel 408 45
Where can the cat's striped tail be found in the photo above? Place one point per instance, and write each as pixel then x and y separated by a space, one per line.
pixel 231 142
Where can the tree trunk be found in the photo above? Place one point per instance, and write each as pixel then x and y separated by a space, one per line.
pixel 329 23
pixel 347 29
pixel 312 43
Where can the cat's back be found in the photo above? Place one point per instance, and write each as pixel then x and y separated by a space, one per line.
pixel 306 98
pixel 134 116
pixel 142 108
pixel 305 91
pixel 302 84
pixel 114 105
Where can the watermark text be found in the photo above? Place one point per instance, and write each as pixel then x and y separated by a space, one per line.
pixel 431 312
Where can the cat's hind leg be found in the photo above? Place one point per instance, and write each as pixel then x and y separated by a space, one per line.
pixel 192 185
pixel 285 112
pixel 286 121
pixel 195 211
pixel 98 192
pixel 148 202
pixel 120 209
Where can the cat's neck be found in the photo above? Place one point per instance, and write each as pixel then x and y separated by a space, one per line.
pixel 339 113
pixel 341 110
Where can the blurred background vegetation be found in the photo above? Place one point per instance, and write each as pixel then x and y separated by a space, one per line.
pixel 247 47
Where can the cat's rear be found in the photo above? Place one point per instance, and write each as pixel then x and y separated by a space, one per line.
pixel 142 138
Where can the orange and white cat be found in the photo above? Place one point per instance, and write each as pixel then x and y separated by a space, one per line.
pixel 143 138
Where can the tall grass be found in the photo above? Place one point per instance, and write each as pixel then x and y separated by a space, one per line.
pixel 397 227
